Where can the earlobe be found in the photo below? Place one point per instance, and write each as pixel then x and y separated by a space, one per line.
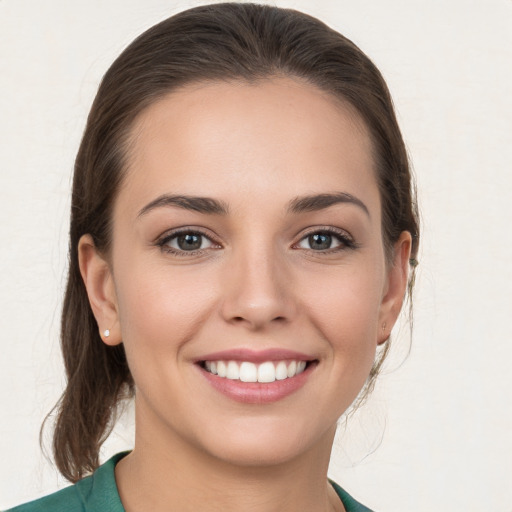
pixel 396 286
pixel 98 280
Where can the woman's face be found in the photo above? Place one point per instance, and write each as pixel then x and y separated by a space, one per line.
pixel 247 244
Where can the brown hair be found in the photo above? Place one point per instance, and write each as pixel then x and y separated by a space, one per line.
pixel 227 41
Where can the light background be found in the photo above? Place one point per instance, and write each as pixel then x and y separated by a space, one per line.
pixel 437 433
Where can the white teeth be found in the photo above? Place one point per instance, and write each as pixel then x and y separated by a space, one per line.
pixel 233 373
pixel 292 369
pixel 246 371
pixel 221 369
pixel 266 372
pixel 281 371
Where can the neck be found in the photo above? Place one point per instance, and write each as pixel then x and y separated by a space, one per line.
pixel 164 473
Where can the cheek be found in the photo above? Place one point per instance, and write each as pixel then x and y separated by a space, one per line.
pixel 160 307
pixel 344 306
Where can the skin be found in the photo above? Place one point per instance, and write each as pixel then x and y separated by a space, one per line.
pixel 256 283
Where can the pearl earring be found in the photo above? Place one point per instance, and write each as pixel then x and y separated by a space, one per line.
pixel 106 333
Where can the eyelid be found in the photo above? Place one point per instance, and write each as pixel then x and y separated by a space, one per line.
pixel 171 234
pixel 345 238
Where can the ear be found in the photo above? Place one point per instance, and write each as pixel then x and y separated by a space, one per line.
pixel 396 285
pixel 99 283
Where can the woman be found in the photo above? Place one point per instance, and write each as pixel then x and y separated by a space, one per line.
pixel 241 234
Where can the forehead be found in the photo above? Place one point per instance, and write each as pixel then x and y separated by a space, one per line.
pixel 216 138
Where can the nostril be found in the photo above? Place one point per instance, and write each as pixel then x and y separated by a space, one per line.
pixel 239 319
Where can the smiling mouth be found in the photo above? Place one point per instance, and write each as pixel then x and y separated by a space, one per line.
pixel 265 372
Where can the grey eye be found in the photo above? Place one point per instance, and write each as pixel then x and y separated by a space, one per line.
pixel 189 242
pixel 320 241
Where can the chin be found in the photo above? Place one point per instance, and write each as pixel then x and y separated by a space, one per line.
pixel 266 442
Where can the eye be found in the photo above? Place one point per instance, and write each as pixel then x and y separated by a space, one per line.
pixel 186 242
pixel 326 240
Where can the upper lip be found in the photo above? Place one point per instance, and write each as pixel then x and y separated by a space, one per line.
pixel 255 356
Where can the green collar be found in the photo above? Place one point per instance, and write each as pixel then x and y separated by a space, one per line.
pixel 98 494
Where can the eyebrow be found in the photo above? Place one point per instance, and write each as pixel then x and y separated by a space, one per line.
pixel 317 202
pixel 208 205
pixel 205 205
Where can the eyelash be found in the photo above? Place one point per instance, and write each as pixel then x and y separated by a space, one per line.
pixel 164 240
pixel 345 240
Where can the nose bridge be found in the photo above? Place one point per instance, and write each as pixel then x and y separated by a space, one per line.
pixel 256 290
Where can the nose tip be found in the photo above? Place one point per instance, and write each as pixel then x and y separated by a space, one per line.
pixel 255 307
pixel 256 317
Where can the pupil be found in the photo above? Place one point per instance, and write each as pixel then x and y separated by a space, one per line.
pixel 320 241
pixel 189 242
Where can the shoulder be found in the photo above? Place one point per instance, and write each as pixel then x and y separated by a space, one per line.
pixel 95 493
pixel 350 504
pixel 65 500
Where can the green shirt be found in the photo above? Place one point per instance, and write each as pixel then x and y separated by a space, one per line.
pixel 98 493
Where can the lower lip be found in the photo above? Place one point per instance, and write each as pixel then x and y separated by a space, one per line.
pixel 257 392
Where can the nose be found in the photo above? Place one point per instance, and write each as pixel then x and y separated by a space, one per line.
pixel 257 290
